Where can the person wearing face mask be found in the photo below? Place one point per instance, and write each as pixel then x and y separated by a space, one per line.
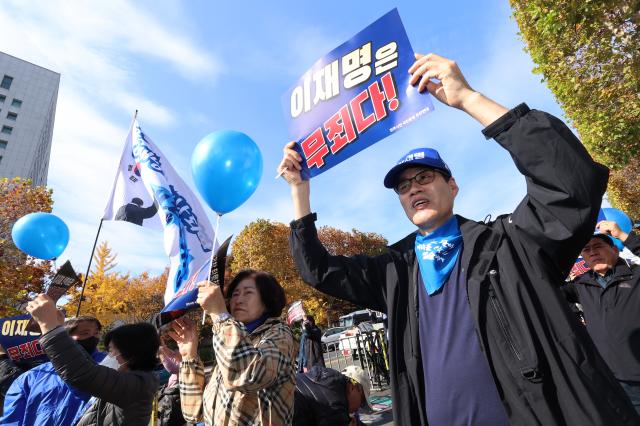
pixel 40 396
pixel 253 381
pixel 122 387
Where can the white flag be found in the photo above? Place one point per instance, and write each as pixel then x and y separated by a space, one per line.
pixel 148 192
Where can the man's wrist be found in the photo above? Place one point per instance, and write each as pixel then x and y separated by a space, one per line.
pixel 468 101
pixel 47 327
pixel 300 189
pixel 300 197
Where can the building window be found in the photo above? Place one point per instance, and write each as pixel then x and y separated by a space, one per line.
pixel 7 130
pixel 17 103
pixel 0 159
pixel 6 82
pixel 3 144
pixel 12 116
pixel 2 99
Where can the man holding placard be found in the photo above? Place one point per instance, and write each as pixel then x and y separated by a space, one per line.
pixel 479 333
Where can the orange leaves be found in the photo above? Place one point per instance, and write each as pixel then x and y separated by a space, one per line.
pixel 264 244
pixel 19 276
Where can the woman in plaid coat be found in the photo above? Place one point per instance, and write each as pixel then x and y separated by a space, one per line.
pixel 253 380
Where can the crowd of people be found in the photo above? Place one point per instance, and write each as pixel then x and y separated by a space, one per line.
pixel 479 321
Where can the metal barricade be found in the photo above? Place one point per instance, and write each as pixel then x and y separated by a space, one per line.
pixel 367 350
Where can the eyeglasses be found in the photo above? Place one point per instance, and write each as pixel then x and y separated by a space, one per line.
pixel 424 177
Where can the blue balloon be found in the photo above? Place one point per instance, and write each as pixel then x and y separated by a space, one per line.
pixel 41 235
pixel 618 217
pixel 226 167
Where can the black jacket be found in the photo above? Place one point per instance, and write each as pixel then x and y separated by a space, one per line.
pixel 546 369
pixel 321 398
pixel 8 373
pixel 124 398
pixel 612 314
pixel 312 346
pixel 169 412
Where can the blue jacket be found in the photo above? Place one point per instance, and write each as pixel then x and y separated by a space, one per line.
pixel 41 397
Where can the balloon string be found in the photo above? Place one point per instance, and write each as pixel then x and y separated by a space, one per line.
pixel 213 254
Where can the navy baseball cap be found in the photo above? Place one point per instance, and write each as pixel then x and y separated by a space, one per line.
pixel 426 157
pixel 607 239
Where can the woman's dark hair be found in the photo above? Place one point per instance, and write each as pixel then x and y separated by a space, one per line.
pixel 137 343
pixel 271 292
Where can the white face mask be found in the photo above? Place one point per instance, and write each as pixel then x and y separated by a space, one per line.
pixel 111 361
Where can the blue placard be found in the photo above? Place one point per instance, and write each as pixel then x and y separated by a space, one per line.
pixel 185 298
pixel 19 343
pixel 355 96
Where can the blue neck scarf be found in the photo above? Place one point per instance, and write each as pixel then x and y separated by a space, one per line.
pixel 437 254
pixel 252 325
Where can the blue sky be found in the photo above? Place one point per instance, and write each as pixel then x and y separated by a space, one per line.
pixel 194 67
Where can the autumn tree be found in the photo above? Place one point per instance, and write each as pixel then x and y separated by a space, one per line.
pixel 145 296
pixel 588 53
pixel 20 275
pixel 264 244
pixel 111 296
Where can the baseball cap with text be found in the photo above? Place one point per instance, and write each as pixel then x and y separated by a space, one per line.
pixel 426 157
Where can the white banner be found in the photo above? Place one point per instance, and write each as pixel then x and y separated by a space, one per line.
pixel 148 192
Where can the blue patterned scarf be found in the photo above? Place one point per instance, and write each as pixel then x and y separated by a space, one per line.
pixel 437 254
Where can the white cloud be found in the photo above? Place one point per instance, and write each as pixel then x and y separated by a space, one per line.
pixel 116 26
pixel 97 47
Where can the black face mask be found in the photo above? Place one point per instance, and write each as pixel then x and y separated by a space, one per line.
pixel 89 344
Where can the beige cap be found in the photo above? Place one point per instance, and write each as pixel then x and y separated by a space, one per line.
pixel 359 375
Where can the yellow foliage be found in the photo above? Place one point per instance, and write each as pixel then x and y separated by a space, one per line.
pixel 111 296
pixel 588 54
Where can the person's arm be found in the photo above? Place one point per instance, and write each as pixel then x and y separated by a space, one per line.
pixel 192 384
pixel 247 368
pixel 290 168
pixel 444 80
pixel 150 211
pixel 564 184
pixel 191 376
pixel 75 366
pixel 630 240
pixel 359 279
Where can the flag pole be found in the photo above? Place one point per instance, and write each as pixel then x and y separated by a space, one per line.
pixel 86 275
pixel 213 253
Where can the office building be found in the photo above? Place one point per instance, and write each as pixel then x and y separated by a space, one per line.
pixel 28 97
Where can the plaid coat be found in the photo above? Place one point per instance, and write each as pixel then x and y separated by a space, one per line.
pixel 253 380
